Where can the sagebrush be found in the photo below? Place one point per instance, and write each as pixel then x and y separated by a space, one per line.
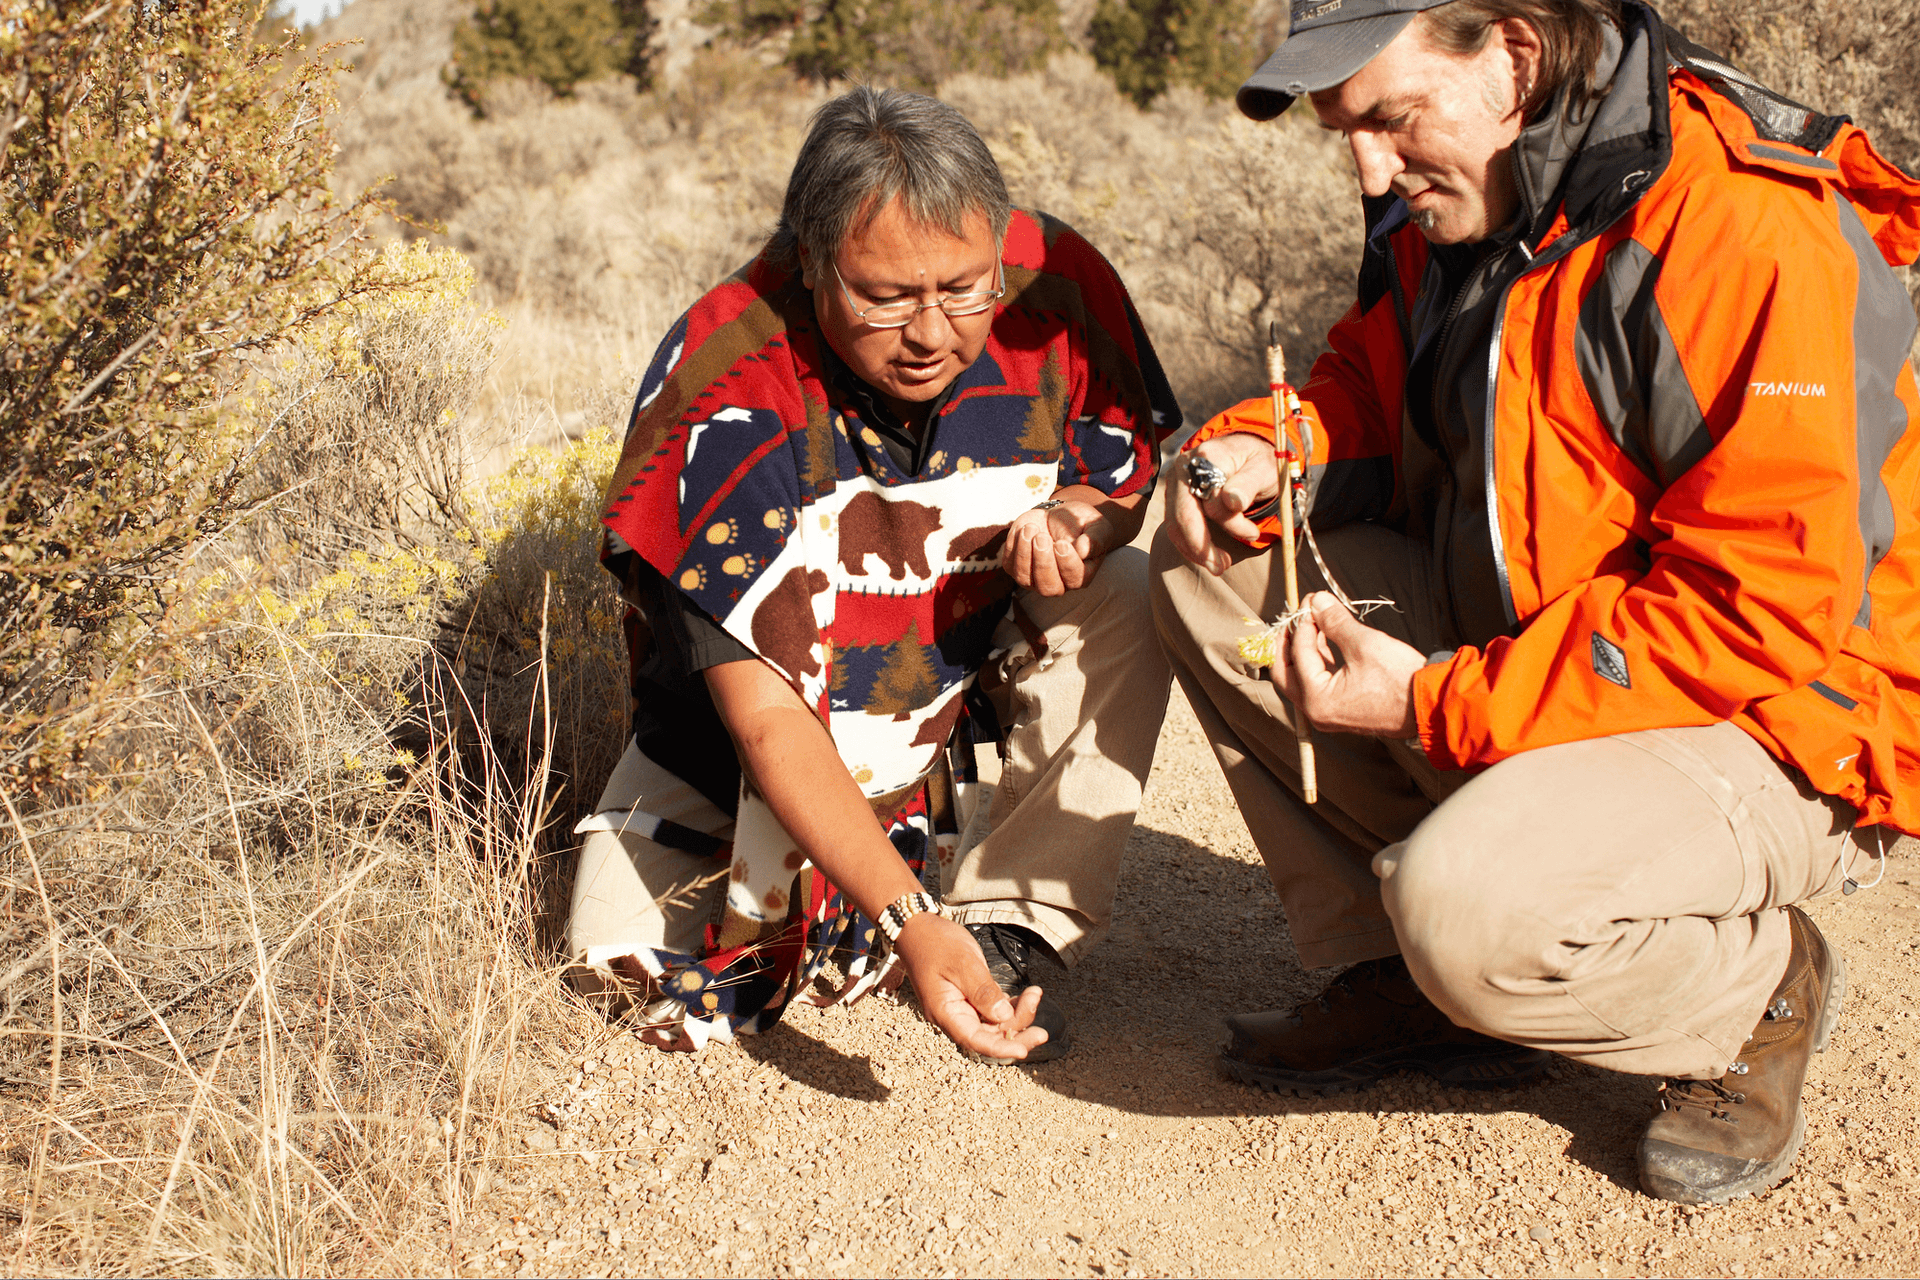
pixel 282 991
pixel 167 217
pixel 276 989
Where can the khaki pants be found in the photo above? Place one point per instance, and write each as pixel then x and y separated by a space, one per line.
pixel 1616 900
pixel 1081 713
pixel 631 893
pixel 1081 719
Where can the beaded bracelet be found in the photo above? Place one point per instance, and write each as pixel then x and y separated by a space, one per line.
pixel 894 917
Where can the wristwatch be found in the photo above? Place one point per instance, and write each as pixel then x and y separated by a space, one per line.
pixel 894 916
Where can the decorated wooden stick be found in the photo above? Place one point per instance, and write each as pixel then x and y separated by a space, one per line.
pixel 1290 475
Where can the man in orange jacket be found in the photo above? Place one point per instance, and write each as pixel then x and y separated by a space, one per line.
pixel 1619 424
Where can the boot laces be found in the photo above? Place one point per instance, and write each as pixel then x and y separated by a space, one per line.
pixel 1012 948
pixel 1711 1096
pixel 1341 989
pixel 1336 992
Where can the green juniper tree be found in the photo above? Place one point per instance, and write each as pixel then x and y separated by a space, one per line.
pixel 1149 46
pixel 557 42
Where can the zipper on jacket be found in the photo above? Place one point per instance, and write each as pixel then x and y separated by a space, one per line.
pixel 1534 261
pixel 1486 480
pixel 1548 255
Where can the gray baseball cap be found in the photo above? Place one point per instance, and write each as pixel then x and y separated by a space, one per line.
pixel 1327 41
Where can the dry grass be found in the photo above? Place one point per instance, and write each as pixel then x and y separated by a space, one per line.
pixel 277 984
pixel 277 975
pixel 279 966
pixel 594 222
pixel 1217 225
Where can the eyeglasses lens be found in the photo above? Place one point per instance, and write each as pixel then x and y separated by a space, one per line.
pixel 959 304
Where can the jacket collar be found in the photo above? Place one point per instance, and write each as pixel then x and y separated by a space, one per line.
pixel 1547 148
pixel 1597 162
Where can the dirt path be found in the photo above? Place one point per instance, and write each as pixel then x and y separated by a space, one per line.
pixel 857 1142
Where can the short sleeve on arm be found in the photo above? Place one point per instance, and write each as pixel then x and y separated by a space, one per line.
pixel 674 721
pixel 689 640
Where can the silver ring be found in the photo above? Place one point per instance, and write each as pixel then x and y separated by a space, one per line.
pixel 1204 479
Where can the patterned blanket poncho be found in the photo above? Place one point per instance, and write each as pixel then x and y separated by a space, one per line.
pixel 751 487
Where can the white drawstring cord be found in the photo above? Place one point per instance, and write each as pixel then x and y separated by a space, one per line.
pixel 1880 854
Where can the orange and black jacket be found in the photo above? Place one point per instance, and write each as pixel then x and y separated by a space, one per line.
pixel 1658 432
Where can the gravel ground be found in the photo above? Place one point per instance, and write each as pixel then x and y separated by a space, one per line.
pixel 857 1142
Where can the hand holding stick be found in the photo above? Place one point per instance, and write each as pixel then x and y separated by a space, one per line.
pixel 1288 465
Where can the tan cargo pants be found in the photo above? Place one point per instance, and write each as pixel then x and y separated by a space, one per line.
pixel 1616 900
pixel 1081 711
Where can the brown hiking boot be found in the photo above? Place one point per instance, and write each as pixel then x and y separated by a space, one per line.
pixel 1370 1022
pixel 1718 1140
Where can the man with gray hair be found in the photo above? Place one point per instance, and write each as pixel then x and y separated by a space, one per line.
pixel 874 507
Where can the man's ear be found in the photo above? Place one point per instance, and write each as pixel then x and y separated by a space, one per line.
pixel 1529 60
pixel 807 265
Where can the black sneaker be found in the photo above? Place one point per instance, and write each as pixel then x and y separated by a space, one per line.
pixel 1009 951
pixel 1370 1022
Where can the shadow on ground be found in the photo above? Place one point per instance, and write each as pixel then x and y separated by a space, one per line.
pixel 1199 935
pixel 801 1057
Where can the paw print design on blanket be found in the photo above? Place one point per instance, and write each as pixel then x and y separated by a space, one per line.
pixel 749 483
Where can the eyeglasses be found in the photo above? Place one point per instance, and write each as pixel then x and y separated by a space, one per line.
pixel 897 315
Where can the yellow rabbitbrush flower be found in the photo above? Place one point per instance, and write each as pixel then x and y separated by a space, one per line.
pixel 388 592
pixel 402 575
pixel 1262 649
pixel 545 498
pixel 414 279
pixel 551 491
pixel 545 493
